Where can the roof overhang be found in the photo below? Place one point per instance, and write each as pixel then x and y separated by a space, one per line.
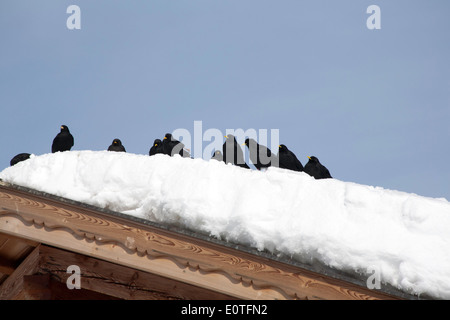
pixel 197 260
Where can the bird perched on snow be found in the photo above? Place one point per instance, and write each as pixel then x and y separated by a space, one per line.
pixel 168 143
pixel 315 169
pixel 116 145
pixel 260 155
pixel 63 141
pixel 217 155
pixel 19 157
pixel 157 147
pixel 171 146
pixel 232 152
pixel 287 159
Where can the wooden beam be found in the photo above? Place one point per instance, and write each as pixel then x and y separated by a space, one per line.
pixel 118 281
pixel 8 238
pixel 13 284
pixel 44 287
pixel 165 266
pixel 122 240
pixel 6 266
pixel 34 287
pixel 12 251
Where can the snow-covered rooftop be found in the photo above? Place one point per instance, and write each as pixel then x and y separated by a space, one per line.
pixel 346 226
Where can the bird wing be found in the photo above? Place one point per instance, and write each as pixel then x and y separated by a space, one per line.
pixel 55 143
pixel 327 173
pixel 298 164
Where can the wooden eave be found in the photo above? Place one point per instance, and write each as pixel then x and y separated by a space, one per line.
pixel 50 233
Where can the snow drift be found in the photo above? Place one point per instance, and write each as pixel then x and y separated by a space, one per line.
pixel 346 226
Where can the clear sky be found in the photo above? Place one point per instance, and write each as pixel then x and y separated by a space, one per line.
pixel 372 105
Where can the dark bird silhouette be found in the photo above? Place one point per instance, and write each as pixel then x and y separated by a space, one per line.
pixel 315 169
pixel 63 140
pixel 169 143
pixel 217 155
pixel 116 145
pixel 260 155
pixel 156 148
pixel 287 159
pixel 171 146
pixel 19 157
pixel 232 152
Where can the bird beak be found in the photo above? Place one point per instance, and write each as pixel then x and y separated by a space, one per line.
pixel 164 138
pixel 309 157
pixel 243 144
pixel 226 137
pixel 279 146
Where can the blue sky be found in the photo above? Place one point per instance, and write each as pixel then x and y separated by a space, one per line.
pixel 372 105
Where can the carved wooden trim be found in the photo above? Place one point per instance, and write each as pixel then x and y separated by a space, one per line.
pixel 178 256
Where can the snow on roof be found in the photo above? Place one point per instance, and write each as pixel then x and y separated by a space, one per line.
pixel 344 225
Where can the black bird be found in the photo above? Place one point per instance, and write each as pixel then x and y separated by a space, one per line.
pixel 19 157
pixel 116 145
pixel 63 140
pixel 157 147
pixel 168 143
pixel 232 152
pixel 260 155
pixel 171 146
pixel 217 155
pixel 287 159
pixel 315 169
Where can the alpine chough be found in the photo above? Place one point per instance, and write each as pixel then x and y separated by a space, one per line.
pixel 19 157
pixel 260 155
pixel 232 152
pixel 217 155
pixel 171 146
pixel 288 160
pixel 63 140
pixel 315 169
pixel 157 147
pixel 116 145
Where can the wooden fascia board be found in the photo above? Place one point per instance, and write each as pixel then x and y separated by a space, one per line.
pixel 85 230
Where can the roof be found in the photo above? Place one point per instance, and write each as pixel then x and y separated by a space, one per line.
pixel 125 257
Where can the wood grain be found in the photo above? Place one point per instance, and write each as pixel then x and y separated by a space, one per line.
pixel 166 253
pixel 119 281
pixel 13 284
